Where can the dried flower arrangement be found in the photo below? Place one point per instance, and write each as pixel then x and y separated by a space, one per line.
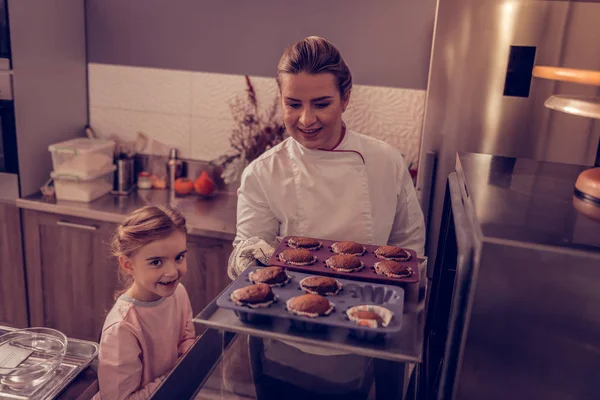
pixel 253 134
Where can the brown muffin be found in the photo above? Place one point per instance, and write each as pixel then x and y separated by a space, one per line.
pixel 321 285
pixel 297 257
pixel 348 248
pixel 272 276
pixel 344 263
pixel 392 269
pixel 370 316
pixel 309 305
pixel 298 242
pixel 392 253
pixel 254 296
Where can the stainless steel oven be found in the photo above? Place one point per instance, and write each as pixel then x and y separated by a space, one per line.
pixel 9 165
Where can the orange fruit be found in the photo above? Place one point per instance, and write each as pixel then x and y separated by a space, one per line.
pixel 204 185
pixel 183 186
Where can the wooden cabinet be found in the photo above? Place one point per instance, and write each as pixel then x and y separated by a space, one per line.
pixel 207 270
pixel 72 277
pixel 13 295
pixel 70 274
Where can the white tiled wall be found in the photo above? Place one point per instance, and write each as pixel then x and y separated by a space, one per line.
pixel 190 110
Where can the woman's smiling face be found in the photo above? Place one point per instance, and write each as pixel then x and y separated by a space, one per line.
pixel 312 109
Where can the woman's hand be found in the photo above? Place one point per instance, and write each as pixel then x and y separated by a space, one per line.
pixel 248 253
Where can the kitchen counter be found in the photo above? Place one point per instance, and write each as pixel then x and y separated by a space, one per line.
pixel 214 217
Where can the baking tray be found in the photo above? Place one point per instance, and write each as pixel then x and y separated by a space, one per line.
pixel 79 356
pixel 366 274
pixel 404 346
pixel 352 294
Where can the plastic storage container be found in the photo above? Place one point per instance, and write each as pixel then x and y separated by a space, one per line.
pixel 82 157
pixel 73 188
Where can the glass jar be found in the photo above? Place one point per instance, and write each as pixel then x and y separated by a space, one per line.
pixel 144 180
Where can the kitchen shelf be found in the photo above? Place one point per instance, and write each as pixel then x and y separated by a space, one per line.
pixel 585 77
pixel 582 106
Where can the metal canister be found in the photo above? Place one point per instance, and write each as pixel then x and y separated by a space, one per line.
pixel 124 175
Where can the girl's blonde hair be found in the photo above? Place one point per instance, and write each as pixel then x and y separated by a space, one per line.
pixel 315 55
pixel 142 227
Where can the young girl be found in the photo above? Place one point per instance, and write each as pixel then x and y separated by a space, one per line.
pixel 150 325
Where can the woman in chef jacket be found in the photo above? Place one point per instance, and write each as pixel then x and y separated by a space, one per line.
pixel 324 181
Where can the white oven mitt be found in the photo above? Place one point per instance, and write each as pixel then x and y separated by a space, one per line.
pixel 248 253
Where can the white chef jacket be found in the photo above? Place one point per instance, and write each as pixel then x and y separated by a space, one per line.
pixel 360 191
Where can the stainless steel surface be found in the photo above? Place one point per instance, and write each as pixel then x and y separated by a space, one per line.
pixel 521 200
pixel 215 217
pixel 49 63
pixel 79 356
pixel 466 109
pixel 531 330
pixel 174 169
pixel 406 346
pixel 6 92
pixel 464 278
pixel 4 64
pixel 424 191
pixel 588 107
pixel 9 187
pixel 77 226
pixel 124 172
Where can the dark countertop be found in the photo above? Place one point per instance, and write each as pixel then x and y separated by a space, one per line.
pixel 523 200
pixel 214 217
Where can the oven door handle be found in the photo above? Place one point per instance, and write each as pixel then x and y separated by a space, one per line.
pixel 77 226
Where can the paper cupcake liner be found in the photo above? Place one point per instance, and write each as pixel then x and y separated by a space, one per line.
pixel 270 284
pixel 338 269
pixel 385 314
pixel 390 275
pixel 339 285
pixel 334 248
pixel 307 314
pixel 254 305
pixel 294 246
pixel 298 263
pixel 408 256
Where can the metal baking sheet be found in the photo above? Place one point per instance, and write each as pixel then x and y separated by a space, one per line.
pixel 80 354
pixel 404 346
pixel 367 274
pixel 353 293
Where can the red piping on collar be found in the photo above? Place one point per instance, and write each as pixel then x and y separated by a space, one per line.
pixel 345 151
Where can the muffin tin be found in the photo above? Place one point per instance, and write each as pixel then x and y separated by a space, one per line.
pixel 352 294
pixel 366 274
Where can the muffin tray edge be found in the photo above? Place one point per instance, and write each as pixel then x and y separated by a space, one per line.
pixel 366 274
pixel 352 294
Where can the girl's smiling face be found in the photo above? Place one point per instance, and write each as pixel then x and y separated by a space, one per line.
pixel 157 268
pixel 312 109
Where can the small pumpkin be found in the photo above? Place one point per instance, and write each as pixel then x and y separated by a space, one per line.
pixel 204 185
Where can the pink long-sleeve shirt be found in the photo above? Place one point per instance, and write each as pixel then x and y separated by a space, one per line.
pixel 141 342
